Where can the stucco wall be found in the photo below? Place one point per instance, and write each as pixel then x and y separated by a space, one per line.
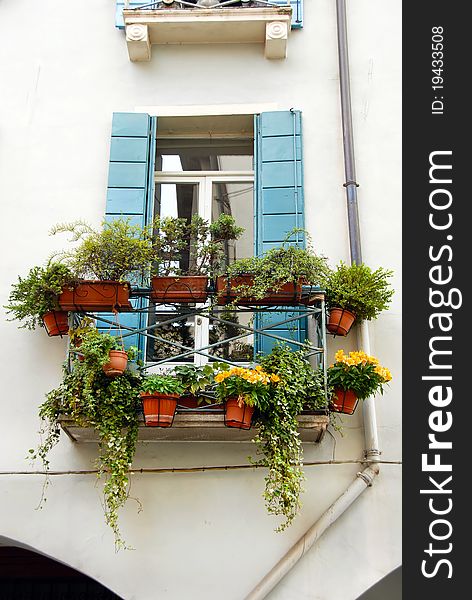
pixel 64 70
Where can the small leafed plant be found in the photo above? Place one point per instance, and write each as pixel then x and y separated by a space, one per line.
pixel 118 251
pixel 251 386
pixel 360 290
pixel 277 267
pixel 359 372
pixel 37 294
pixel 162 384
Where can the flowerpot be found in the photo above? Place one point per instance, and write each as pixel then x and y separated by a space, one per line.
pixel 344 401
pixel 238 414
pixel 117 364
pixel 56 322
pixel 96 296
pixel 184 289
pixel 340 321
pixel 159 409
pixel 289 293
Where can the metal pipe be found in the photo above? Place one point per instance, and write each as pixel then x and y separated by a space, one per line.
pixel 285 564
pixel 350 184
pixel 366 478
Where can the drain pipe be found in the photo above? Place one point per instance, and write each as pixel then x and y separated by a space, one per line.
pixel 366 477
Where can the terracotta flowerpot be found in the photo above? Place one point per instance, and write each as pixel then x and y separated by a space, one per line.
pixel 183 289
pixel 340 321
pixel 96 296
pixel 117 364
pixel 289 294
pixel 159 409
pixel 344 401
pixel 238 414
pixel 56 322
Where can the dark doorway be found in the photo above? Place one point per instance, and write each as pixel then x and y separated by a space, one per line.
pixel 27 575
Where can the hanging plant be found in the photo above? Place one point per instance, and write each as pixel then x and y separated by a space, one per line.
pixel 111 406
pixel 300 388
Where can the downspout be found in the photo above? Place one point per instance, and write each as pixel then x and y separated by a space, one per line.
pixel 365 478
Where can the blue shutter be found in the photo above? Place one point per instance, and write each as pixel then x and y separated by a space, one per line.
pixel 278 203
pixel 120 4
pixel 297 11
pixel 130 193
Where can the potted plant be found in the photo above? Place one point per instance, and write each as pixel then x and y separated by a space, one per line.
pixel 34 301
pixel 78 332
pixel 355 376
pixel 159 394
pixel 301 387
pixel 276 278
pixel 241 390
pixel 105 261
pixel 104 351
pixel 111 406
pixel 206 243
pixel 196 383
pixel 355 292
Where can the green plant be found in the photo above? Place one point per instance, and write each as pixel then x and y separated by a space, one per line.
pixel 118 251
pixel 301 387
pixel 277 267
pixel 80 330
pixel 251 386
pixel 358 372
pixel 110 405
pixel 37 294
pixel 208 243
pixel 357 288
pixel 162 384
pixel 170 239
pixel 205 242
pixel 196 380
pixel 95 348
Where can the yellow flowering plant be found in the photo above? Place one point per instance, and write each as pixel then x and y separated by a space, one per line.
pixel 251 386
pixel 359 372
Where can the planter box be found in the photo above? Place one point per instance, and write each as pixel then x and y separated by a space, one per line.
pixel 288 295
pixel 96 296
pixel 182 290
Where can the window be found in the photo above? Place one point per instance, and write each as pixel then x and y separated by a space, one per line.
pixel 209 160
pixel 204 166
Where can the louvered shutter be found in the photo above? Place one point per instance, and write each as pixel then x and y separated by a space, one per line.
pixel 279 204
pixel 131 192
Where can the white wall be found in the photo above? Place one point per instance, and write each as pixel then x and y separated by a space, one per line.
pixel 64 69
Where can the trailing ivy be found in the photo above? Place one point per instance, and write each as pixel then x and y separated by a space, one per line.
pixel 300 387
pixel 110 405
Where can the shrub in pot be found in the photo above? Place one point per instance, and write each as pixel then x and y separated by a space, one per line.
pixel 356 293
pixel 206 243
pixel 105 260
pixel 34 301
pixel 159 394
pixel 275 278
pixel 301 387
pixel 355 376
pixel 242 390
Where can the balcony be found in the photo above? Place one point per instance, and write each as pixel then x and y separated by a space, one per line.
pixel 223 22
